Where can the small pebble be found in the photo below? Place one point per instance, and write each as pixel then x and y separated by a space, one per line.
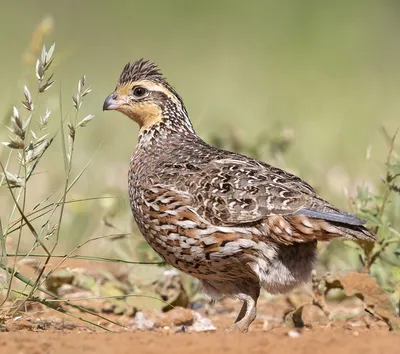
pixel 143 323
pixel 266 326
pixel 181 330
pixel 201 324
pixel 293 334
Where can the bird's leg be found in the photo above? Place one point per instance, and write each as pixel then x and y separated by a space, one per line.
pixel 247 313
pixel 242 312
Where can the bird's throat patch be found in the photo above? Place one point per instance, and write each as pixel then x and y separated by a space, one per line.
pixel 145 114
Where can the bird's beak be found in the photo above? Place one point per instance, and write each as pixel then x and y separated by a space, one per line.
pixel 112 102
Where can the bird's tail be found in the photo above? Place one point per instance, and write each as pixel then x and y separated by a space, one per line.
pixel 349 225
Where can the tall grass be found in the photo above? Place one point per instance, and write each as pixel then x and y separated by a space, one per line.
pixel 38 223
pixel 28 143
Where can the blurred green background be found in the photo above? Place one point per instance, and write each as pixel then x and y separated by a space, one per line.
pixel 324 72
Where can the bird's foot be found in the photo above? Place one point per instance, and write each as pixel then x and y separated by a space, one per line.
pixel 237 327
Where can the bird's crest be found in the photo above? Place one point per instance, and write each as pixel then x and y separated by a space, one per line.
pixel 141 70
pixel 145 70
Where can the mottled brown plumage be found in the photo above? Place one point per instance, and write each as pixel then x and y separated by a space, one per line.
pixel 233 222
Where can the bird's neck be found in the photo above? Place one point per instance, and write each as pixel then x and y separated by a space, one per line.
pixel 169 129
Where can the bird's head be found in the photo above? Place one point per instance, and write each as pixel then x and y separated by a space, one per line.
pixel 145 96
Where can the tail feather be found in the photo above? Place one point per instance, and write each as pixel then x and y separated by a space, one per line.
pixel 339 217
pixel 350 225
pixel 355 232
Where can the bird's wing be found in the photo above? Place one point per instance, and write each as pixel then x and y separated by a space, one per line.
pixel 234 191
pixel 239 192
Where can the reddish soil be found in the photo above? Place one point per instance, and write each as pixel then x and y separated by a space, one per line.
pixel 347 329
pixel 325 341
pixel 49 332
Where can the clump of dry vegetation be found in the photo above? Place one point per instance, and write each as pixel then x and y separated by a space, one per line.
pixel 381 210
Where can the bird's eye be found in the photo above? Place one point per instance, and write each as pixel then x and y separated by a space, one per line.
pixel 139 91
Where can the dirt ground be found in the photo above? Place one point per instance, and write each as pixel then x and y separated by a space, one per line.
pixel 48 332
pixel 319 341
pixel 339 326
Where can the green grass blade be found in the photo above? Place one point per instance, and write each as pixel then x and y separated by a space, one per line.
pixel 87 258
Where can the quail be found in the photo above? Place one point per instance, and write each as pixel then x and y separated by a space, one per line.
pixel 235 223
